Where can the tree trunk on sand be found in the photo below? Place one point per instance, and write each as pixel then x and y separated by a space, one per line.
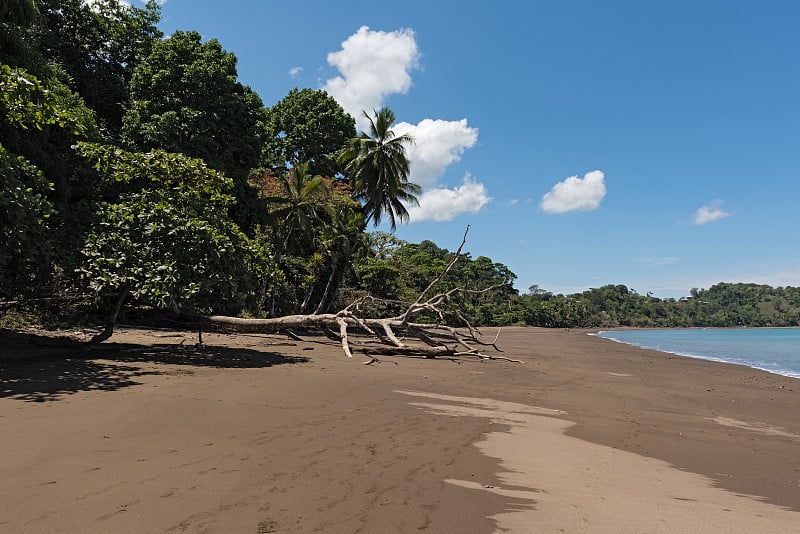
pixel 326 295
pixel 111 321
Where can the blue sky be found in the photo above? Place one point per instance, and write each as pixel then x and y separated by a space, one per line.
pixel 651 144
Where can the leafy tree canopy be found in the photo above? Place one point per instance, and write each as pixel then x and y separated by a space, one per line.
pixel 24 213
pixel 25 209
pixel 398 270
pixel 378 167
pixel 721 305
pixel 185 98
pixel 16 49
pixel 18 11
pixel 26 102
pixel 317 231
pixel 308 126
pixel 170 242
pixel 98 45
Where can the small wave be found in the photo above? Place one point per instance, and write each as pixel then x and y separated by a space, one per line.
pixel 786 365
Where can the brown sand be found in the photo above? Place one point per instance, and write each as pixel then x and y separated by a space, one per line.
pixel 256 434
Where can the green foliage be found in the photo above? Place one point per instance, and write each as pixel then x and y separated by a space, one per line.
pixel 400 271
pixel 18 11
pixel 24 214
pixel 722 305
pixel 98 45
pixel 308 126
pixel 16 49
pixel 39 120
pixel 545 309
pixel 297 206
pixel 378 167
pixel 189 177
pixel 31 114
pixel 381 278
pixel 169 253
pixel 185 98
pixel 25 102
pixel 171 243
pixel 344 246
pixel 317 234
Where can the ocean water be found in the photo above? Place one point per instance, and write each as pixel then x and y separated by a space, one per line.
pixel 776 350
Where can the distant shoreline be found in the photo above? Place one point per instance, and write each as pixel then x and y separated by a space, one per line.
pixel 701 352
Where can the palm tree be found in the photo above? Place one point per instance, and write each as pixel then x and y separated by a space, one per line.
pixel 298 209
pixel 378 167
pixel 297 203
pixel 345 244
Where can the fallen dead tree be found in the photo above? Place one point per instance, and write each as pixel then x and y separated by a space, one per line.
pixel 398 335
pixel 371 336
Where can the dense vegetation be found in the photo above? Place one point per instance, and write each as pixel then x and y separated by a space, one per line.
pixel 723 304
pixel 137 170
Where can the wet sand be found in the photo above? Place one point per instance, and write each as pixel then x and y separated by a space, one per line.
pixel 260 434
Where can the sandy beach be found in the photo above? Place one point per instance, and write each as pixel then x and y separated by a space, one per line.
pixel 260 434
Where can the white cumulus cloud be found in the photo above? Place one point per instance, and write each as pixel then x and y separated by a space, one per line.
pixel 294 71
pixel 442 204
pixel 576 194
pixel 372 64
pixel 709 213
pixel 375 64
pixel 658 262
pixel 437 144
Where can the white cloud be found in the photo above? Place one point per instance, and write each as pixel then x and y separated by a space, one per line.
pixel 372 64
pixel 774 279
pixel 709 213
pixel 658 262
pixel 443 204
pixel 575 194
pixel 375 64
pixel 294 71
pixel 437 144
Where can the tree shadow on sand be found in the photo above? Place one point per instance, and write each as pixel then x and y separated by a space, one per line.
pixel 52 379
pixel 37 368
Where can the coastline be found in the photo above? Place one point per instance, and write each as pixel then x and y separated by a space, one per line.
pixel 262 434
pixel 734 359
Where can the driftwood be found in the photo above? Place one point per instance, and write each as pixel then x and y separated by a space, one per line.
pixel 357 334
pixel 399 335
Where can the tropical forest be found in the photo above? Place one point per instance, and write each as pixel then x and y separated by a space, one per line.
pixel 141 180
